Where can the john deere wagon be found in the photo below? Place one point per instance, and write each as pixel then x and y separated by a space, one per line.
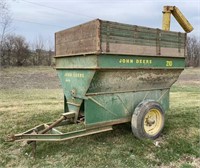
pixel 114 73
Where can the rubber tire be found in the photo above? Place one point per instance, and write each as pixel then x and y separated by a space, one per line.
pixel 138 119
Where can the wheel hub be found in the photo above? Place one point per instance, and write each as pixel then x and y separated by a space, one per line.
pixel 152 122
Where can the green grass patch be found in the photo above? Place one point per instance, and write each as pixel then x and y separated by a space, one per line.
pixel 185 88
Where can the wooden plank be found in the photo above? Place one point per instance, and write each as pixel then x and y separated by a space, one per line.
pixel 120 40
pixel 143 42
pixel 115 48
pixel 126 27
pixel 76 47
pixel 142 35
pixel 172 52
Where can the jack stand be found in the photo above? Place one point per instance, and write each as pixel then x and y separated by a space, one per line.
pixel 34 149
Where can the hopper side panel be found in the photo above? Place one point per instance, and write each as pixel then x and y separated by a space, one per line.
pixel 75 83
pixel 112 81
pixel 119 107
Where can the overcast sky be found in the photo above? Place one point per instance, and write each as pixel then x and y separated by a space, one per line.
pixel 33 18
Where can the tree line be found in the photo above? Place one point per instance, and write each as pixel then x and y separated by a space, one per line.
pixel 16 51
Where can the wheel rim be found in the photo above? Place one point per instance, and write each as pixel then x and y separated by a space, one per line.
pixel 153 122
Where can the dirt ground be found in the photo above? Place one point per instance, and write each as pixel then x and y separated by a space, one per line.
pixel 46 78
pixel 190 76
pixel 29 78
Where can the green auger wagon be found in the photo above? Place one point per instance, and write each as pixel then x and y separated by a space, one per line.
pixel 114 73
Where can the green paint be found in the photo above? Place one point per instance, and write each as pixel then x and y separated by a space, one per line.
pixel 118 106
pixel 62 136
pixel 75 84
pixel 123 61
pixel 118 61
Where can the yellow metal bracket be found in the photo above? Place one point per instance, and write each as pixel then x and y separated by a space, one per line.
pixel 167 11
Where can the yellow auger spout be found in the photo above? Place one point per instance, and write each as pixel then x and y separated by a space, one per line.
pixel 167 11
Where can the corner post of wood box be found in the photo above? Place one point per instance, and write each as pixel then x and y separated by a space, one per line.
pixel 185 45
pixel 55 43
pixel 107 37
pixel 98 35
pixel 135 32
pixel 179 42
pixel 158 39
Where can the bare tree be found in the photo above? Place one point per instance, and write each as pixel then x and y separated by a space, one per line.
pixel 5 22
pixel 7 49
pixel 5 19
pixel 16 51
pixel 50 52
pixel 42 51
pixel 38 47
pixel 20 51
pixel 193 52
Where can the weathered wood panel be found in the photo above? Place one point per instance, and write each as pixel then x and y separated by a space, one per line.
pixel 77 40
pixel 110 37
pixel 127 39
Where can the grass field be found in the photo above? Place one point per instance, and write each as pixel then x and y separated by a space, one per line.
pixel 31 96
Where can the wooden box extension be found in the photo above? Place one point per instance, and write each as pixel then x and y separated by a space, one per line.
pixel 98 36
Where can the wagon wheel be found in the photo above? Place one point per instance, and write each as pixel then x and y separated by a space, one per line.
pixel 148 120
